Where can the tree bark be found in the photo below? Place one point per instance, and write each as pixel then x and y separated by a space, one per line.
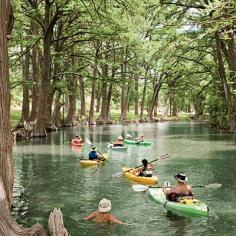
pixel 98 97
pixel 35 75
pixel 6 162
pixel 124 114
pixel 82 96
pixel 93 92
pixel 222 74
pixel 50 20
pixel 56 224
pixel 136 102
pixel 71 113
pixel 157 88
pixel 25 102
pixel 102 117
pixel 143 95
pixel 56 114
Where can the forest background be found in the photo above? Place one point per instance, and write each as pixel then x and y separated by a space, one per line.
pixel 105 61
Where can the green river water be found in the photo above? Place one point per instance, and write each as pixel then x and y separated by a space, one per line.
pixel 48 175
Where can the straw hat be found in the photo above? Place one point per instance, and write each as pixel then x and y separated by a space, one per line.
pixel 104 205
pixel 181 177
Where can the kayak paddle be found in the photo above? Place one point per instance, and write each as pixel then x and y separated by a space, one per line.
pixel 119 174
pixel 142 188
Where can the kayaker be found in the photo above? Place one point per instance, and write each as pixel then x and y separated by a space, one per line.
pixel 180 190
pixel 145 170
pixel 77 139
pixel 94 155
pixel 139 139
pixel 102 215
pixel 119 142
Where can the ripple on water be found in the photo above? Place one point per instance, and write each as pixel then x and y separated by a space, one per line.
pixel 48 175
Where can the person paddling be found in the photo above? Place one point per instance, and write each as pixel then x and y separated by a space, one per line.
pixel 119 142
pixel 145 170
pixel 102 215
pixel 139 139
pixel 180 190
pixel 77 139
pixel 94 155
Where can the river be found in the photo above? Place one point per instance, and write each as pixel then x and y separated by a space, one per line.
pixel 48 175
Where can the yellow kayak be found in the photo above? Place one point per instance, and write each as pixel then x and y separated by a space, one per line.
pixel 139 179
pixel 88 163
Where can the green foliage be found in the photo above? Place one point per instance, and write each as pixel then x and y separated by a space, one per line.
pixel 167 41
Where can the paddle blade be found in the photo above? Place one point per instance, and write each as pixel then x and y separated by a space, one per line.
pixel 214 185
pixel 117 174
pixel 88 141
pixel 139 187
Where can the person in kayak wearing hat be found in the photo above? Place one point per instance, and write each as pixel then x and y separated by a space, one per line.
pixel 119 142
pixel 145 170
pixel 180 190
pixel 94 155
pixel 102 215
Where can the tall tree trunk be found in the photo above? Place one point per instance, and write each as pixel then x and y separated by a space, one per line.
pixel 82 96
pixel 56 114
pixel 103 115
pixel 143 99
pixel 124 114
pixel 42 121
pixel 109 95
pixel 93 92
pixel 224 82
pixel 174 108
pixel 35 77
pixel 6 162
pixel 98 97
pixel 25 102
pixel 50 19
pixel 122 77
pixel 136 102
pixel 71 113
pixel 157 88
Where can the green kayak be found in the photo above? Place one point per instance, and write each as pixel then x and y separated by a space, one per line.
pixel 144 143
pixel 186 207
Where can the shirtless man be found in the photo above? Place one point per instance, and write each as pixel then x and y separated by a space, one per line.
pixel 181 189
pixel 102 215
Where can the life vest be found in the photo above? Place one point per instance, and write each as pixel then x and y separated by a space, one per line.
pixel 146 173
pixel 176 197
pixel 187 200
pixel 93 155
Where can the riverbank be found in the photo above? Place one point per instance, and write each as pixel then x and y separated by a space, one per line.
pixel 115 118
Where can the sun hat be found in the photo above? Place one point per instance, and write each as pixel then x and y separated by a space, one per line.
pixel 120 137
pixel 104 205
pixel 181 177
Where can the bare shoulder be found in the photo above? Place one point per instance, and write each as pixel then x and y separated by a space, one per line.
pixel 189 187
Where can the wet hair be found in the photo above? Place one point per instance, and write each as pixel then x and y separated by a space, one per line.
pixel 145 162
